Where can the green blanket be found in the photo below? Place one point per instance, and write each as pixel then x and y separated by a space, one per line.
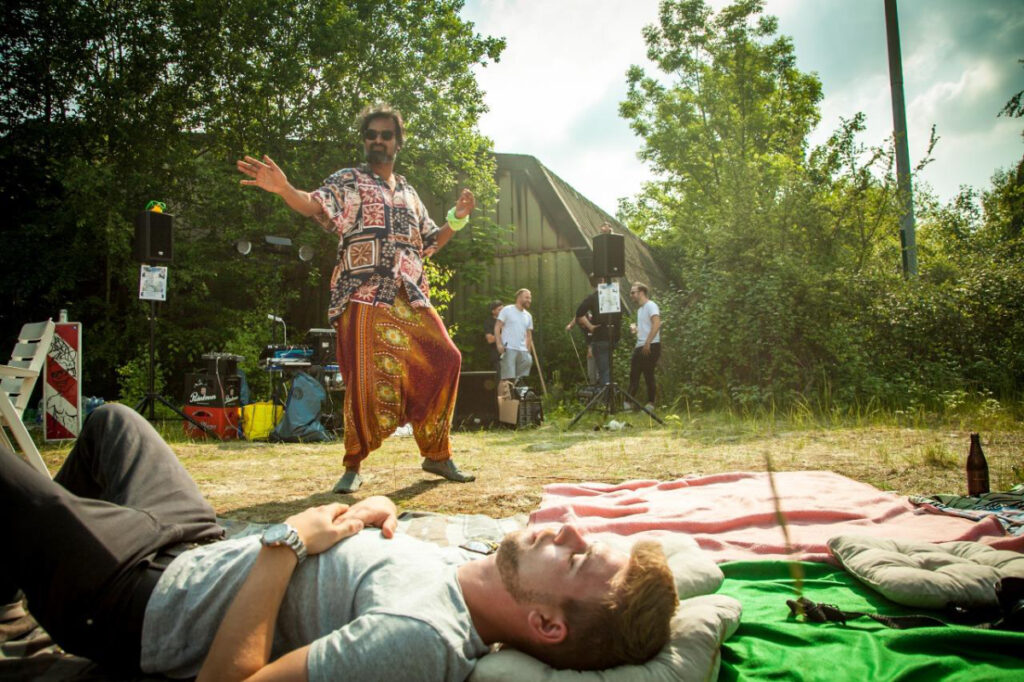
pixel 771 645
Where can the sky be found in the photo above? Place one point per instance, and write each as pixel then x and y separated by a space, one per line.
pixel 556 90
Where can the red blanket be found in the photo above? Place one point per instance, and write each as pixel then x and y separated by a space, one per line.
pixel 733 515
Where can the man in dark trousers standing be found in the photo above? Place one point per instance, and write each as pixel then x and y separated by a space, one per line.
pixel 647 350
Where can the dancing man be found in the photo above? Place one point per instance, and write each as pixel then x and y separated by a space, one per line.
pixel 394 352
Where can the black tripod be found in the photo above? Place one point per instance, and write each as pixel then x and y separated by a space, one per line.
pixel 612 395
pixel 152 397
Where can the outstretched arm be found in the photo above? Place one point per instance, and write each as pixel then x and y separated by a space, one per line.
pixel 463 207
pixel 267 176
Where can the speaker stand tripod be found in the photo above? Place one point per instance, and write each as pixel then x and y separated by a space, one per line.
pixel 612 395
pixel 151 398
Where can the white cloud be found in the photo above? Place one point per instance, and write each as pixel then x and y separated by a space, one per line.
pixel 972 158
pixel 584 172
pixel 556 90
pixel 973 82
pixel 561 56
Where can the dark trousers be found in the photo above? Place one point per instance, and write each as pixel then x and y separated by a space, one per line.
pixel 83 547
pixel 643 364
pixel 602 351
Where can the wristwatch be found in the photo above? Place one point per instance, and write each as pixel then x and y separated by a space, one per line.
pixel 283 534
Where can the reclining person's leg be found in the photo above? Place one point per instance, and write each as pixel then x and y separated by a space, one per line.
pixel 83 563
pixel 120 458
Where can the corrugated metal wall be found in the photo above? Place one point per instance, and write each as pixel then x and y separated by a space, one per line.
pixel 537 259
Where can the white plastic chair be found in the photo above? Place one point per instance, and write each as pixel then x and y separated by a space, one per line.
pixel 17 379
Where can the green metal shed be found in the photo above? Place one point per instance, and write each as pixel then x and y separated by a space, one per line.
pixel 550 253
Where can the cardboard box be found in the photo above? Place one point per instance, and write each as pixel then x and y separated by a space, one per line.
pixel 210 390
pixel 520 413
pixel 508 410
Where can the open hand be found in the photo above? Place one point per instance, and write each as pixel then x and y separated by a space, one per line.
pixel 320 528
pixel 465 204
pixel 265 174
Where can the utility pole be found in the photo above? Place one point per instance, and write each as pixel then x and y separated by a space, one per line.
pixel 908 242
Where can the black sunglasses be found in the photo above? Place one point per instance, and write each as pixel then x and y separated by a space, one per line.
pixel 371 134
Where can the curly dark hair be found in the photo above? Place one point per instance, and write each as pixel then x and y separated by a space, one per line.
pixel 382 111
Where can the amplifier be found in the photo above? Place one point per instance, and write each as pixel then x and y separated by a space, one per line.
pixel 224 364
pixel 324 344
pixel 211 390
pixel 476 405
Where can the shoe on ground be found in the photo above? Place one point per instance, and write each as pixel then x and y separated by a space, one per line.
pixel 447 469
pixel 348 483
pixel 627 406
pixel 649 407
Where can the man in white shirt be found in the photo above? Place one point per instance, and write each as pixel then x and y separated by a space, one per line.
pixel 648 342
pixel 514 333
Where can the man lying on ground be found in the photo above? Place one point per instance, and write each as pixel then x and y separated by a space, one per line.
pixel 98 554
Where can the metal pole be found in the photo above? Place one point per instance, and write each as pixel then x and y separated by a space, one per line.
pixel 152 346
pixel 908 242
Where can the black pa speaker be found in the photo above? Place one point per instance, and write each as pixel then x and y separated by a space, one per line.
pixel 154 237
pixel 609 255
pixel 476 405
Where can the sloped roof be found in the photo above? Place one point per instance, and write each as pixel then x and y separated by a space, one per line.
pixel 578 219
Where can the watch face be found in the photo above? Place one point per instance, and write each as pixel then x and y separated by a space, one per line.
pixel 276 534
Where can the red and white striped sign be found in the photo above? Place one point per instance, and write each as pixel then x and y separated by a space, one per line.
pixel 62 389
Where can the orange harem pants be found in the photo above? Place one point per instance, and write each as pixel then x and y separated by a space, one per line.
pixel 399 365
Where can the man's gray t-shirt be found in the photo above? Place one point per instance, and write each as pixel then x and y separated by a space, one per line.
pixel 372 609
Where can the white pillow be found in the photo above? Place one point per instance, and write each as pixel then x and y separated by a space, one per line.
pixel 699 627
pixel 926 575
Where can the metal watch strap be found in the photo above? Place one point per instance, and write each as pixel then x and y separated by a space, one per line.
pixel 291 540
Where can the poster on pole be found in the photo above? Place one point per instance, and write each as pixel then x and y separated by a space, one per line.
pixel 153 283
pixel 608 298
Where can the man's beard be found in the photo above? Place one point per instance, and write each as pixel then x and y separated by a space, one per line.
pixel 378 156
pixel 507 561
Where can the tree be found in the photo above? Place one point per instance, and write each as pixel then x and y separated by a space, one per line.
pixel 106 105
pixel 725 126
pixel 728 126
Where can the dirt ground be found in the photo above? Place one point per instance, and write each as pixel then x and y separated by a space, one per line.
pixel 264 482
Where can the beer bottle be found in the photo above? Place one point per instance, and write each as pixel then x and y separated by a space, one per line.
pixel 977 469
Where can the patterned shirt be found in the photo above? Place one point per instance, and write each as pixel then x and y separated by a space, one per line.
pixel 383 237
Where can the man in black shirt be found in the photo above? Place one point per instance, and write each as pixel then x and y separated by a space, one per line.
pixel 604 332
